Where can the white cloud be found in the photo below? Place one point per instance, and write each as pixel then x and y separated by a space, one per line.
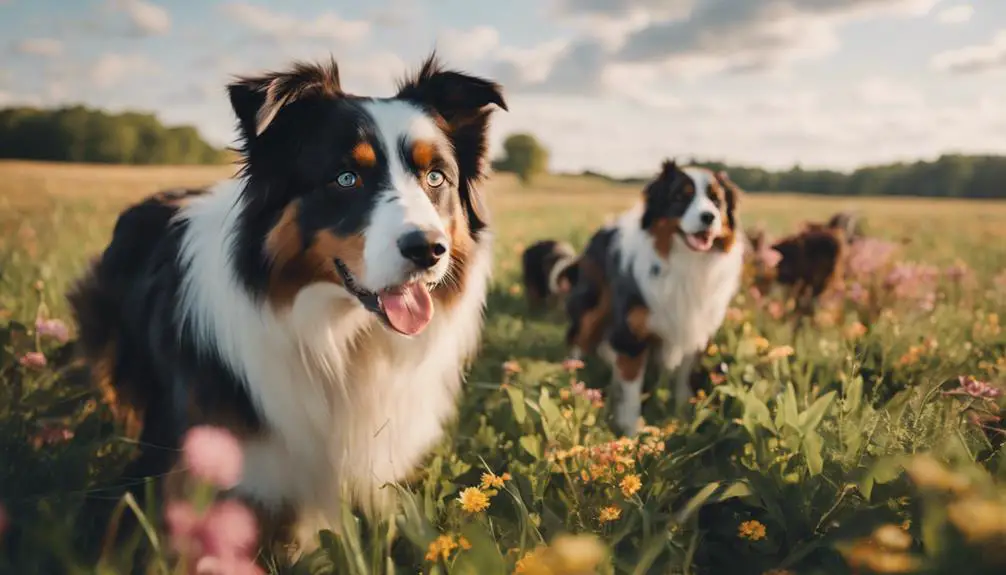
pixel 746 35
pixel 880 91
pixel 46 47
pixel 147 18
pixel 111 69
pixel 955 14
pixel 974 59
pixel 469 45
pixel 280 26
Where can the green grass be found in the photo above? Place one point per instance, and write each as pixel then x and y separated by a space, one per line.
pixel 786 462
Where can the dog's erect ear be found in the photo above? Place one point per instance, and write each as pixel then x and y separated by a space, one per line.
pixel 257 99
pixel 463 102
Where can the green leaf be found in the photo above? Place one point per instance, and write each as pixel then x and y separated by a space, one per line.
pixel 854 394
pixel 516 396
pixel 711 493
pixel 790 411
pixel 811 418
pixel 811 447
pixel 756 413
pixel 532 445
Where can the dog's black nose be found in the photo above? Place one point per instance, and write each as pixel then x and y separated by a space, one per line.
pixel 423 248
pixel 707 218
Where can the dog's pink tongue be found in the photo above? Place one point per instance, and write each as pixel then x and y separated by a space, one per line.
pixel 410 309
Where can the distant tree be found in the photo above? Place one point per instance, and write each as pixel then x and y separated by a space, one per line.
pixel 80 134
pixel 524 156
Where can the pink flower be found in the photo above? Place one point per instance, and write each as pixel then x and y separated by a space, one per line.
pixel 594 396
pixel 572 364
pixel 33 359
pixel 220 542
pixel 210 565
pixel 214 455
pixel 769 257
pixel 229 530
pixel 975 388
pixel 53 328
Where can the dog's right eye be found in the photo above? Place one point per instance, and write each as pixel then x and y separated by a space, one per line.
pixel 347 180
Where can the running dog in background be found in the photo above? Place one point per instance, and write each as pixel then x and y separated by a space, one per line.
pixel 659 278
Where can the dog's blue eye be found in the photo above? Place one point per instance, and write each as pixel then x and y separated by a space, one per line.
pixel 435 178
pixel 346 180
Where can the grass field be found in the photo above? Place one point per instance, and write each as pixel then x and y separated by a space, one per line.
pixel 852 448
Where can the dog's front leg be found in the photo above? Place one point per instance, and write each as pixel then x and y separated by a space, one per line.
pixel 627 375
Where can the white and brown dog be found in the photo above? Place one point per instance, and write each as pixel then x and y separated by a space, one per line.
pixel 659 278
pixel 322 306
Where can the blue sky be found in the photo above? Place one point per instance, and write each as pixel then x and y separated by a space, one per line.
pixel 611 85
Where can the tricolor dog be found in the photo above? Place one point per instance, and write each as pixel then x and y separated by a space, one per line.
pixel 658 280
pixel 322 305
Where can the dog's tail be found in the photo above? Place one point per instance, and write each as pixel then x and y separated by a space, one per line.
pixel 564 274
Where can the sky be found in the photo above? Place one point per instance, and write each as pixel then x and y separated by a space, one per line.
pixel 607 85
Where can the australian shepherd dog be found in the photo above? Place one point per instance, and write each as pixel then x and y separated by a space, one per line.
pixel 659 278
pixel 322 305
pixel 548 271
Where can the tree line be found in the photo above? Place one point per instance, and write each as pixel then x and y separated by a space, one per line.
pixel 950 175
pixel 81 134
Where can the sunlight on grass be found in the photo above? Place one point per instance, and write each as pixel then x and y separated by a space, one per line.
pixel 801 454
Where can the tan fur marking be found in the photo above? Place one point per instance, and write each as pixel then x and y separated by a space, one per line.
pixel 363 154
pixel 449 291
pixel 295 268
pixel 638 321
pixel 663 231
pixel 422 154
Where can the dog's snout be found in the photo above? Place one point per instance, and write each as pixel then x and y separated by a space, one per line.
pixel 707 218
pixel 423 248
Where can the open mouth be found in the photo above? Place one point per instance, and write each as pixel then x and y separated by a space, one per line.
pixel 406 309
pixel 700 241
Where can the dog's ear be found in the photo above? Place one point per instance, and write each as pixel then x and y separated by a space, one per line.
pixel 733 195
pixel 463 101
pixel 257 100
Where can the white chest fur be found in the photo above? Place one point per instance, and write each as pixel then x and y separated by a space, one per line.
pixel 687 293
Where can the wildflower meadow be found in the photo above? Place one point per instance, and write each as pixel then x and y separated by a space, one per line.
pixel 866 439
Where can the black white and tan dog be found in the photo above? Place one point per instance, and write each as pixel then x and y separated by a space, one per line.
pixel 659 279
pixel 548 267
pixel 322 305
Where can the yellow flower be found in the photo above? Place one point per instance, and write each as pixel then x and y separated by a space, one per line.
pixel 761 344
pixel 855 331
pixel 713 349
pixel 700 395
pixel 979 520
pixel 609 513
pixel 892 537
pixel 473 500
pixel 752 530
pixel 515 289
pixel 630 484
pixel 529 562
pixel 440 547
pixel 491 480
pixel 780 352
pixel 511 367
pixel 929 474
pixel 464 543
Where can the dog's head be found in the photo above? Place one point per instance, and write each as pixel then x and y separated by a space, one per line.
pixel 696 204
pixel 375 195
